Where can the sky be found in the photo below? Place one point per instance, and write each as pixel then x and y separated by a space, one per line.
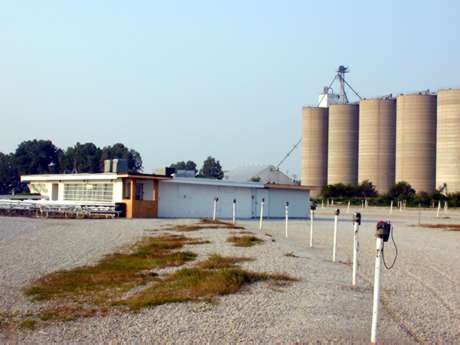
pixel 182 80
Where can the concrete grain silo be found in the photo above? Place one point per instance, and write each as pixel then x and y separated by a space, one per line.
pixel 416 141
pixel 343 144
pixel 314 148
pixel 448 140
pixel 377 142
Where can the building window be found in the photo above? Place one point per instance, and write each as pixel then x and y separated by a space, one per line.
pixel 139 191
pixel 95 192
pixel 127 189
pixel 39 188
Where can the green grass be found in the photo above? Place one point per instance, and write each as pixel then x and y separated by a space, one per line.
pixel 216 261
pixel 244 241
pixel 114 274
pixel 29 324
pixel 197 284
pixel 206 224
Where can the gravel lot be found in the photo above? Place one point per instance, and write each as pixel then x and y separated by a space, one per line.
pixel 421 294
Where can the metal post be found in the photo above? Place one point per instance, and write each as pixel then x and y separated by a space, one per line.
pixel 311 227
pixel 445 206
pixel 348 207
pixel 322 203
pixel 261 219
pixel 286 211
pixel 419 214
pixel 375 308
pixel 391 207
pixel 355 252
pixel 356 224
pixel 214 209
pixel 400 205
pixel 439 208
pixel 334 245
pixel 234 212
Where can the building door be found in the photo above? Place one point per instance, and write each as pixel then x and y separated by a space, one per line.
pixel 54 191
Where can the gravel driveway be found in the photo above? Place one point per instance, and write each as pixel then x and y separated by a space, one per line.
pixel 421 295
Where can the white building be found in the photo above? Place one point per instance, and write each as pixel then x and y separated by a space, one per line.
pixel 194 198
pixel 151 196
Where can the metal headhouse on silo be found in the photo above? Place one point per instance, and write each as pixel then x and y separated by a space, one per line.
pixel 377 142
pixel 343 144
pixel 448 141
pixel 314 147
pixel 416 141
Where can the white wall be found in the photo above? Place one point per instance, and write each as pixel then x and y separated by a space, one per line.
pixel 299 203
pixel 180 200
pixel 117 191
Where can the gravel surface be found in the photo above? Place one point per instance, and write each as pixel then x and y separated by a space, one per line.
pixel 421 298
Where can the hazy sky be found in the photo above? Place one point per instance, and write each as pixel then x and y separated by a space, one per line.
pixel 181 80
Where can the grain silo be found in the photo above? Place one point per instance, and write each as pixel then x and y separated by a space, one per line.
pixel 343 144
pixel 416 141
pixel 314 148
pixel 448 140
pixel 377 141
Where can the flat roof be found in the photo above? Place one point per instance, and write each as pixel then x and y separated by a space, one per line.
pixel 227 183
pixel 88 177
pixel 214 182
pixel 287 186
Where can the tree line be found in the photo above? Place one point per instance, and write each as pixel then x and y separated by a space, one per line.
pixel 211 168
pixel 42 157
pixel 400 191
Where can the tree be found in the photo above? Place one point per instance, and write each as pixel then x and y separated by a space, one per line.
pixel 9 178
pixel 189 165
pixel 211 169
pixel 366 189
pixel 82 158
pixel 37 157
pixel 402 190
pixel 121 151
pixel 338 190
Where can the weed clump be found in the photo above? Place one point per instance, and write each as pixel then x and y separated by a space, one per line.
pixel 244 241
pixel 197 284
pixel 447 227
pixel 206 224
pixel 114 274
pixel 215 261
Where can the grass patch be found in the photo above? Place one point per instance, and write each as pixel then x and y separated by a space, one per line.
pixel 29 324
pixel 447 227
pixel 69 312
pixel 244 241
pixel 197 284
pixel 216 261
pixel 114 274
pixel 205 224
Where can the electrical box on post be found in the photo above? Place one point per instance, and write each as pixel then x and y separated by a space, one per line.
pixel 383 230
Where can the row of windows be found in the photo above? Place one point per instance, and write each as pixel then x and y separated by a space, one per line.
pixel 88 192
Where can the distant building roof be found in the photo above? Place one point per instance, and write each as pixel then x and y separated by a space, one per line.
pixel 263 173
pixel 87 177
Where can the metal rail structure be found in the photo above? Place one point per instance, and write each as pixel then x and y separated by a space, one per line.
pixel 340 76
pixel 32 208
